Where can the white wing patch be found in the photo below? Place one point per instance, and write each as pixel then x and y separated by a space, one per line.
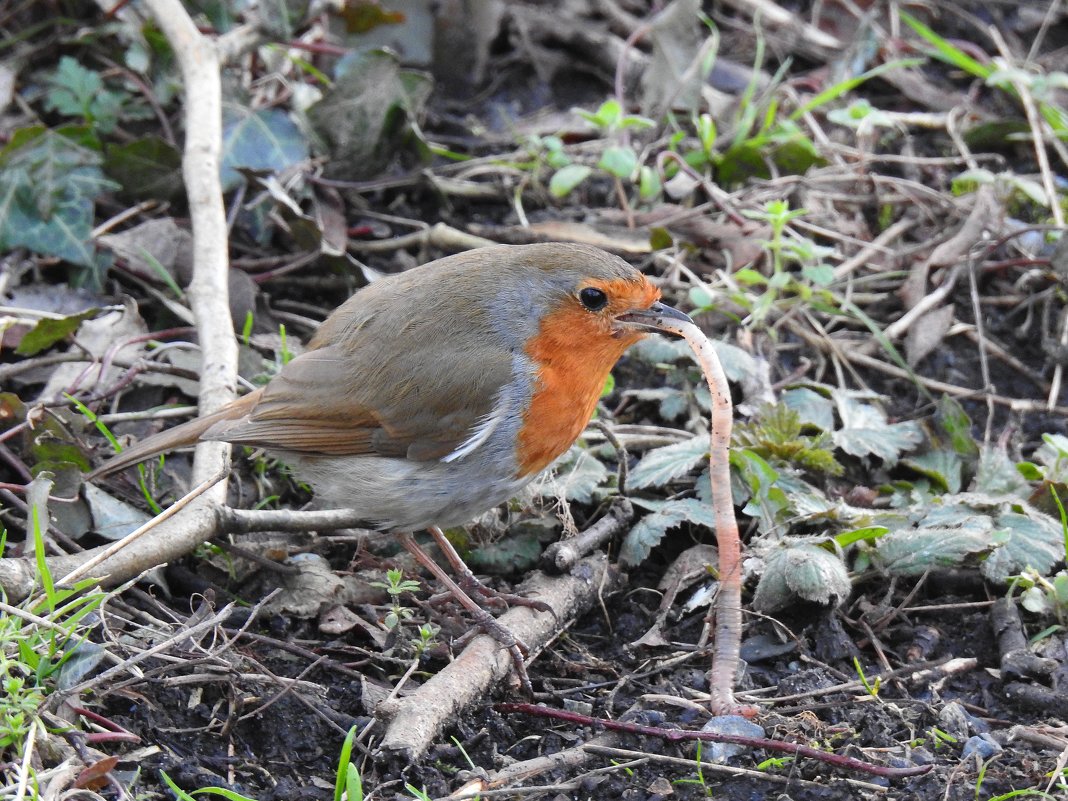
pixel 482 431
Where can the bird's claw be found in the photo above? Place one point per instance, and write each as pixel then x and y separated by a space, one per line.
pixel 518 650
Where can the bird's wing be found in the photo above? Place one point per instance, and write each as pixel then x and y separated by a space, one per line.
pixel 425 403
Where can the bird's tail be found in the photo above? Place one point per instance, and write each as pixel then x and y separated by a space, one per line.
pixel 177 437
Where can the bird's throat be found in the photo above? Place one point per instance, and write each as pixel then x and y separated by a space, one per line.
pixel 574 357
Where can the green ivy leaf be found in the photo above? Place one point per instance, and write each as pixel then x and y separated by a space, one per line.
pixel 370 113
pixel 146 168
pixel 49 180
pixel 265 140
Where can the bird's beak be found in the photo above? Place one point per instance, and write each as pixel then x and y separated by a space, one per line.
pixel 658 315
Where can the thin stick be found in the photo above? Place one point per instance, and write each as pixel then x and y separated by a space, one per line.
pixel 683 735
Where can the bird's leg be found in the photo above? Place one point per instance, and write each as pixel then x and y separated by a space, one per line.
pixel 470 583
pixel 483 618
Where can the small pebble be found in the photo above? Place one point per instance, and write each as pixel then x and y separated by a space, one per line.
pixel 982 744
pixel 728 724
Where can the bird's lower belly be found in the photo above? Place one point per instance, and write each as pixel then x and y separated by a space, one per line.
pixel 401 494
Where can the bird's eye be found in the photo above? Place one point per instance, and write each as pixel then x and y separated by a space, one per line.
pixel 593 299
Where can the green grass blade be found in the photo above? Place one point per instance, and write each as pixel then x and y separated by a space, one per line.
pixel 348 777
pixel 944 51
pixel 840 88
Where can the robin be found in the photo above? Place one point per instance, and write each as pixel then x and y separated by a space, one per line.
pixel 435 394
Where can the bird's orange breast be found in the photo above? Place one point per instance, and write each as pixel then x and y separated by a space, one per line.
pixel 573 352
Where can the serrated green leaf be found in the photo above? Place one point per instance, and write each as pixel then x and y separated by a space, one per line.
pixel 577 477
pixel 1032 540
pixel 806 501
pixel 995 474
pixel 663 465
pixel 738 364
pixel 812 407
pixel 265 140
pixel 72 88
pixel 77 91
pixel 48 332
pixel 1053 455
pixel 647 532
pixel 945 468
pixel 806 572
pixel 912 552
pixel 767 503
pixel 866 432
pixel 673 405
pixel 660 350
pixel 567 178
pixel 507 555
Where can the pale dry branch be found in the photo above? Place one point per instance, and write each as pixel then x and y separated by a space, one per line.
pixel 208 292
pixel 417 719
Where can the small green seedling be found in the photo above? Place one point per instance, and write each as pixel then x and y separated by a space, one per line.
pixel 396 585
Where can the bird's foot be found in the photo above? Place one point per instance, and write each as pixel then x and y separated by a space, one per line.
pixel 488 596
pixel 483 619
pixel 485 623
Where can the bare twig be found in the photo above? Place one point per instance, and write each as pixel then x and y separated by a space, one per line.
pixel 681 735
pixel 565 553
